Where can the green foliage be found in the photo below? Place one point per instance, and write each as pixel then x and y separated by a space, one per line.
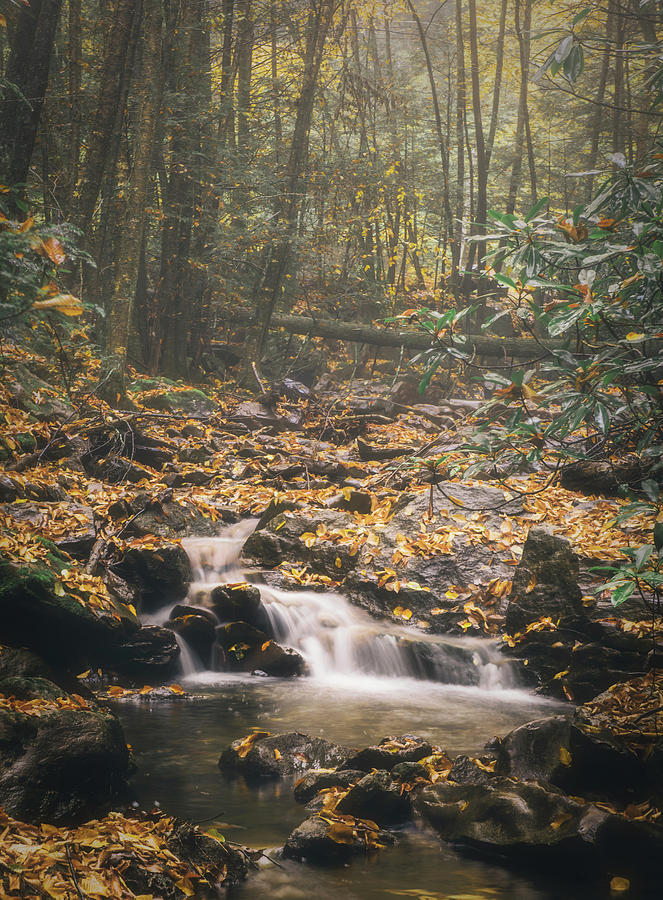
pixel 33 258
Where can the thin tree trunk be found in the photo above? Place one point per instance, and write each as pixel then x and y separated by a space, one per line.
pixel 319 23
pixel 599 113
pixel 523 33
pixel 148 99
pixel 461 108
pixel 74 63
pixel 27 70
pixel 244 67
pixel 101 130
pixel 444 155
pixel 480 213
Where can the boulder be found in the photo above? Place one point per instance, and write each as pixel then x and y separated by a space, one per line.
pixel 262 755
pixel 25 675
pixel 579 759
pixel 37 613
pixel 248 649
pixel 533 825
pixel 332 842
pixel 466 771
pixel 313 782
pixel 545 582
pixel 190 402
pixel 63 767
pixel 151 654
pixel 239 602
pixel 378 798
pixel 161 574
pixel 390 752
pixel 198 633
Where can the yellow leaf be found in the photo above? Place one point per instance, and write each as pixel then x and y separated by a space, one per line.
pixel 66 304
pixel 277 753
pixel 265 645
pixel 565 757
pixel 3 21
pixel 53 249
pixel 635 336
pixel 618 884
pixel 175 689
pixel 341 833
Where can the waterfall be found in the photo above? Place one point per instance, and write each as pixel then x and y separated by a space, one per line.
pixel 337 639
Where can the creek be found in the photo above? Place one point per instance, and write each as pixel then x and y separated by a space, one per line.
pixel 367 679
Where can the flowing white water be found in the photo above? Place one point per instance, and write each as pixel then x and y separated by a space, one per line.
pixel 337 639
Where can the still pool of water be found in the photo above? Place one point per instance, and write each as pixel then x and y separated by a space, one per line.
pixel 177 746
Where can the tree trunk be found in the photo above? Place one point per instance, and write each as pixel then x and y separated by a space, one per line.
pixel 480 213
pixel 148 100
pixel 523 32
pixel 101 130
pixel 319 22
pixel 27 70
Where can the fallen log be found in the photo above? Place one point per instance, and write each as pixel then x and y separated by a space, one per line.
pixel 484 345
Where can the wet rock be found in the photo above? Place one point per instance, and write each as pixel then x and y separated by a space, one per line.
pixel 239 602
pixel 545 582
pixel 151 654
pixel 409 771
pixel 390 752
pixel 533 825
pixel 248 649
pixel 504 816
pixel 295 753
pixel 580 760
pixel 23 673
pixel 579 659
pixel 329 843
pixel 466 771
pixel 163 517
pixel 378 798
pixel 35 613
pixel 62 767
pixel 369 451
pixel 314 782
pixel 188 609
pixel 161 573
pixel 198 632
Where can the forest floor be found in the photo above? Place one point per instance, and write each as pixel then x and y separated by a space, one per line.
pixel 94 504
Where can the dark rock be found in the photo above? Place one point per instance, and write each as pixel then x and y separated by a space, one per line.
pixel 545 582
pixel 580 759
pixel 247 648
pixel 231 603
pixel 36 613
pixel 198 633
pixel 63 767
pixel 369 451
pixel 378 798
pixel 115 469
pixel 352 501
pixel 538 826
pixel 152 654
pixel 295 390
pixel 409 771
pixel 314 782
pixel 605 478
pixel 189 609
pixel 197 454
pixel 20 665
pixel 297 753
pixel 466 771
pixel 161 575
pixel 35 396
pixel 390 752
pixel 165 518
pixel 329 843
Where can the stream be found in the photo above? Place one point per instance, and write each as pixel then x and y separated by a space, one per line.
pixel 367 679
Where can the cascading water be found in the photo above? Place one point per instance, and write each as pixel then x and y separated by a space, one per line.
pixel 335 638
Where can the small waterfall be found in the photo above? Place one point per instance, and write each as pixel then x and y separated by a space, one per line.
pixel 336 638
pixel 189 662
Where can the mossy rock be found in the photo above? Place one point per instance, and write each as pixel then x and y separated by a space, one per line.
pixel 61 768
pixel 53 624
pixel 190 402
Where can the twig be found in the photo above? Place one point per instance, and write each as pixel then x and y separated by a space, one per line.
pixel 73 873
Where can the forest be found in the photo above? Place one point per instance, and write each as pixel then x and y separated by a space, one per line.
pixel 331 449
